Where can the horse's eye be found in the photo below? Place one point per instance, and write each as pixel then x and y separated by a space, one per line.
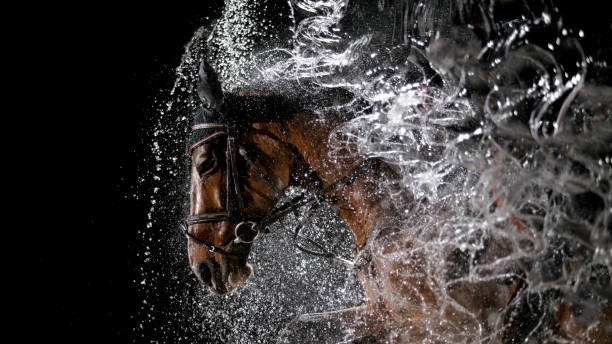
pixel 207 165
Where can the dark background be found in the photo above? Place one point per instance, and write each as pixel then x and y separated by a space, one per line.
pixel 97 74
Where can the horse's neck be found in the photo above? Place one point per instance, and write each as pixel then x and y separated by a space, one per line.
pixel 360 204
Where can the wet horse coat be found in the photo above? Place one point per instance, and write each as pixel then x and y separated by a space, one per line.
pixel 289 146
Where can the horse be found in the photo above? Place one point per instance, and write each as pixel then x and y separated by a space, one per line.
pixel 247 148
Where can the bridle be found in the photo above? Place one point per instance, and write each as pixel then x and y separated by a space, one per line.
pixel 247 230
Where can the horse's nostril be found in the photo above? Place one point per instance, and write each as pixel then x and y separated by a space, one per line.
pixel 204 273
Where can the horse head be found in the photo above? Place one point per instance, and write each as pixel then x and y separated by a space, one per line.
pixel 238 172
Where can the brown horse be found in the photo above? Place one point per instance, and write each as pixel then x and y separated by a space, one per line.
pixel 246 149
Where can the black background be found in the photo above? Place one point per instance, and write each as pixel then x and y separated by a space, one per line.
pixel 96 74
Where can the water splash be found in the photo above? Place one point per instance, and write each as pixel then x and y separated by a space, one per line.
pixel 492 135
pixel 498 132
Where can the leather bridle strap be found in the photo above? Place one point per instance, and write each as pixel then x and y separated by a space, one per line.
pixel 210 217
pixel 238 206
pixel 210 247
pixel 349 178
pixel 206 139
pixel 235 204
pixel 303 199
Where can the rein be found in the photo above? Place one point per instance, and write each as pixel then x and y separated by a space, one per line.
pixel 246 231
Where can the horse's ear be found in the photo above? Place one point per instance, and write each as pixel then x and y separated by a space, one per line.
pixel 209 88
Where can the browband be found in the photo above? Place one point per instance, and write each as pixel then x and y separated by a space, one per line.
pixel 208 126
pixel 204 140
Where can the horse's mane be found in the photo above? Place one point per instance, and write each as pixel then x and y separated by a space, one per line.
pixel 250 106
pixel 246 109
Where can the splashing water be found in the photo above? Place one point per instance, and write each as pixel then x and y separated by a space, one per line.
pixel 497 127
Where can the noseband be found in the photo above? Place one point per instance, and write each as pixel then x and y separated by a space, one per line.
pixel 246 230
